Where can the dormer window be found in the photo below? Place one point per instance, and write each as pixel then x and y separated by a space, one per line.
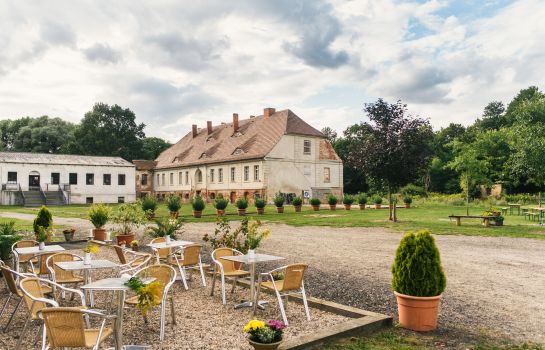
pixel 237 134
pixel 238 151
pixel 203 156
pixel 210 139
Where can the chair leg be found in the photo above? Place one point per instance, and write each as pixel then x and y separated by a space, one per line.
pixel 234 285
pixel 5 305
pixel 184 279
pixel 162 333
pixel 202 275
pixel 12 315
pixel 22 335
pixel 223 289
pixel 37 336
pixel 173 314
pixel 286 300
pixel 307 312
pixel 213 282
pixel 281 306
pixel 257 292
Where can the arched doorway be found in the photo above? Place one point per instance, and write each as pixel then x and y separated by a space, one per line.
pixel 232 197
pixel 34 180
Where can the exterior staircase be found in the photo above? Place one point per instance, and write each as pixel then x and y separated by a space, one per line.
pixel 53 198
pixel 33 199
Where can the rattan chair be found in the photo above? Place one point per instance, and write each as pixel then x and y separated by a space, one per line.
pixel 38 264
pixel 23 259
pixel 134 262
pixel 227 269
pixel 189 257
pixel 167 276
pixel 161 254
pixel 60 276
pixel 293 283
pixel 65 328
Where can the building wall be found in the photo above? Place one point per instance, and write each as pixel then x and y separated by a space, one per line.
pixel 143 190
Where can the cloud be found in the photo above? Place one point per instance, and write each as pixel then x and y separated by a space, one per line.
pixel 57 34
pixel 102 53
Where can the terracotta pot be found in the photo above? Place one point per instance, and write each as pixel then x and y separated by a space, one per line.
pixel 407 205
pixel 347 207
pixel 220 212
pixel 99 234
pixel 378 206
pixel 316 207
pixel 260 346
pixel 362 206
pixel 135 248
pixel 261 211
pixel 279 209
pixel 333 207
pixel 297 208
pixel 197 213
pixel 174 214
pixel 125 238
pixel 418 313
pixel 241 212
pixel 68 235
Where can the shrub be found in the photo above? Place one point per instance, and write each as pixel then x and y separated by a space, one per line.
pixel 407 199
pixel 197 203
pixel 8 236
pixel 247 236
pixel 260 203
pixel 99 214
pixel 417 267
pixel 43 219
pixel 362 199
pixel 220 203
pixel 241 203
pixel 331 200
pixel 348 200
pixel 166 227
pixel 174 203
pixel 315 201
pixel 149 203
pixel 42 234
pixel 377 199
pixel 297 201
pixel 279 199
pixel 413 190
pixel 128 216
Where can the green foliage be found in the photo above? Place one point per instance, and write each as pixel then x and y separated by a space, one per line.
pixel 377 199
pixel 220 203
pixel 166 227
pixel 174 203
pixel 362 198
pixel 413 190
pixel 41 235
pixel 197 203
pixel 241 203
pixel 152 147
pixel 260 203
pixel 43 219
pixel 99 214
pixel 128 216
pixel 279 199
pixel 246 236
pixel 297 201
pixel 417 269
pixel 315 201
pixel 149 203
pixel 8 236
pixel 348 199
pixel 332 200
pixel 407 199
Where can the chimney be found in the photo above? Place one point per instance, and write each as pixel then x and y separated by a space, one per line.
pixel 267 112
pixel 194 131
pixel 209 127
pixel 235 122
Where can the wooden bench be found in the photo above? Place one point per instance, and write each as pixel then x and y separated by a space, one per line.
pixel 486 219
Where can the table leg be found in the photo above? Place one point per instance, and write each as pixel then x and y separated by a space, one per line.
pixel 250 303
pixel 119 320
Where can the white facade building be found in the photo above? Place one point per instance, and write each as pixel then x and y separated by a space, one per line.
pixel 54 179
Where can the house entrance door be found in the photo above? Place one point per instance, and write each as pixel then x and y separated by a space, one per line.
pixel 34 181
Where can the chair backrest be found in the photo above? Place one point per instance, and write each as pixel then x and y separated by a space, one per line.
pixel 60 274
pixel 192 254
pixel 161 272
pixel 228 265
pixel 136 262
pixel 162 252
pixel 64 327
pixel 42 263
pixel 120 254
pixel 10 281
pixel 25 243
pixel 32 290
pixel 293 276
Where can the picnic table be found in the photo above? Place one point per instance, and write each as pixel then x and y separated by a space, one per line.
pixel 486 219
pixel 513 205
pixel 536 212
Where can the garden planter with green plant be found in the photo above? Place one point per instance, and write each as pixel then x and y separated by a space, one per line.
pixel 43 219
pixel 315 203
pixel 348 201
pixel 198 206
pixel 260 205
pixel 297 204
pixel 377 200
pixel 418 281
pixel 279 200
pixel 149 206
pixel 332 201
pixel 362 201
pixel 496 218
pixel 8 236
pixel 166 227
pixel 69 234
pixel 129 216
pixel 220 204
pixel 174 203
pixel 407 200
pixel 242 205
pixel 265 336
pixel 99 214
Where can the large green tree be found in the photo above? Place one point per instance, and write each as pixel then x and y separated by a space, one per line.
pixel 152 147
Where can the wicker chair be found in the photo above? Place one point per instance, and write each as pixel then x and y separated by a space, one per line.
pixel 293 283
pixel 120 254
pixel 167 276
pixel 227 269
pixel 161 254
pixel 65 328
pixel 24 259
pixel 59 275
pixel 38 264
pixel 136 261
pixel 189 257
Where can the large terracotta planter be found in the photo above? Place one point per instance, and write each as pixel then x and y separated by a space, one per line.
pixel 99 234
pixel 220 212
pixel 347 207
pixel 174 214
pixel 316 207
pixel 125 238
pixel 260 346
pixel 418 313
pixel 241 212
pixel 197 213
pixel 297 208
pixel 261 211
pixel 378 206
pixel 407 205
pixel 333 206
pixel 362 206
pixel 279 209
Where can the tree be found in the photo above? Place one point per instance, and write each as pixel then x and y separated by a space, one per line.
pixel 330 134
pixel 393 149
pixel 442 178
pixel 353 178
pixel 109 131
pixel 152 147
pixel 513 108
pixel 493 117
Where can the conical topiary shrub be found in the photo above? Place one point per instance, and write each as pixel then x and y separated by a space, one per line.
pixel 418 280
pixel 43 219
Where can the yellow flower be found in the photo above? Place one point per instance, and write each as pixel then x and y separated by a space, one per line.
pixel 149 296
pixel 91 248
pixel 266 233
pixel 254 325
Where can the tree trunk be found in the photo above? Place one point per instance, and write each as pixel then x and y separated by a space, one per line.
pixel 467 195
pixel 390 204
pixel 395 210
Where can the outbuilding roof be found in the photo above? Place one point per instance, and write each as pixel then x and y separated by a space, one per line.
pixel 61 159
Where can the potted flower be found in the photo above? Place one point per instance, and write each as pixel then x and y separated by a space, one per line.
pixel 315 202
pixel 134 245
pixel 362 201
pixel 220 204
pixel 149 206
pixel 241 205
pixel 495 216
pixel 99 214
pixel 297 204
pixel 332 201
pixel 378 201
pixel 129 216
pixel 348 201
pixel 279 200
pixel 418 281
pixel 265 336
pixel 88 250
pixel 407 200
pixel 198 206
pixel 43 219
pixel 174 203
pixel 69 234
pixel 260 205
pixel 41 237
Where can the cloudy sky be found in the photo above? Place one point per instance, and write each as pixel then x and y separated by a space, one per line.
pixel 176 63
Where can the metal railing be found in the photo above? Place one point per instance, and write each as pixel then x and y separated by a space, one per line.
pixel 22 194
pixel 42 193
pixel 65 199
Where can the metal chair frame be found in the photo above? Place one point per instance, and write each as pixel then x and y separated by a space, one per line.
pixel 179 255
pixel 218 264
pixel 16 256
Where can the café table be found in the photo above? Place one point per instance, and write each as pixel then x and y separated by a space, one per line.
pixel 172 244
pixel 513 205
pixel 48 249
pixel 541 214
pixel 251 262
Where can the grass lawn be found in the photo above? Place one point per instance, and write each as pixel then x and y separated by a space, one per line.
pixel 423 215
pixel 25 225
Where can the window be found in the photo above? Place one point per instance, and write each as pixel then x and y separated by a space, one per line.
pixel 55 178
pixel 121 179
pixel 187 177
pixel 89 200
pixel 232 174
pixel 89 179
pixel 171 179
pixel 256 172
pixel 220 175
pixel 199 176
pixel 306 170
pixel 180 174
pixel 327 175
pixel 163 179
pixel 73 178
pixel 144 180
pixel 158 179
pixel 306 147
pixel 246 173
pixel 12 177
pixel 120 199
pixel 107 179
pixel 211 175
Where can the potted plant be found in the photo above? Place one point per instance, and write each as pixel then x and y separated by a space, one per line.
pixel 41 237
pixel 88 250
pixel 315 203
pixel 149 294
pixel 332 201
pixel 297 204
pixel 418 281
pixel 134 245
pixel 279 201
pixel 129 216
pixel 43 219
pixel 166 227
pixel 265 336
pixel 362 201
pixel 407 200
pixel 8 236
pixel 174 203
pixel 198 206
pixel 260 205
pixel 69 234
pixel 241 205
pixel 348 201
pixel 495 216
pixel 378 201
pixel 99 214
pixel 220 203
pixel 149 206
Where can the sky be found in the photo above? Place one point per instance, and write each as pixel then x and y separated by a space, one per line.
pixel 178 63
